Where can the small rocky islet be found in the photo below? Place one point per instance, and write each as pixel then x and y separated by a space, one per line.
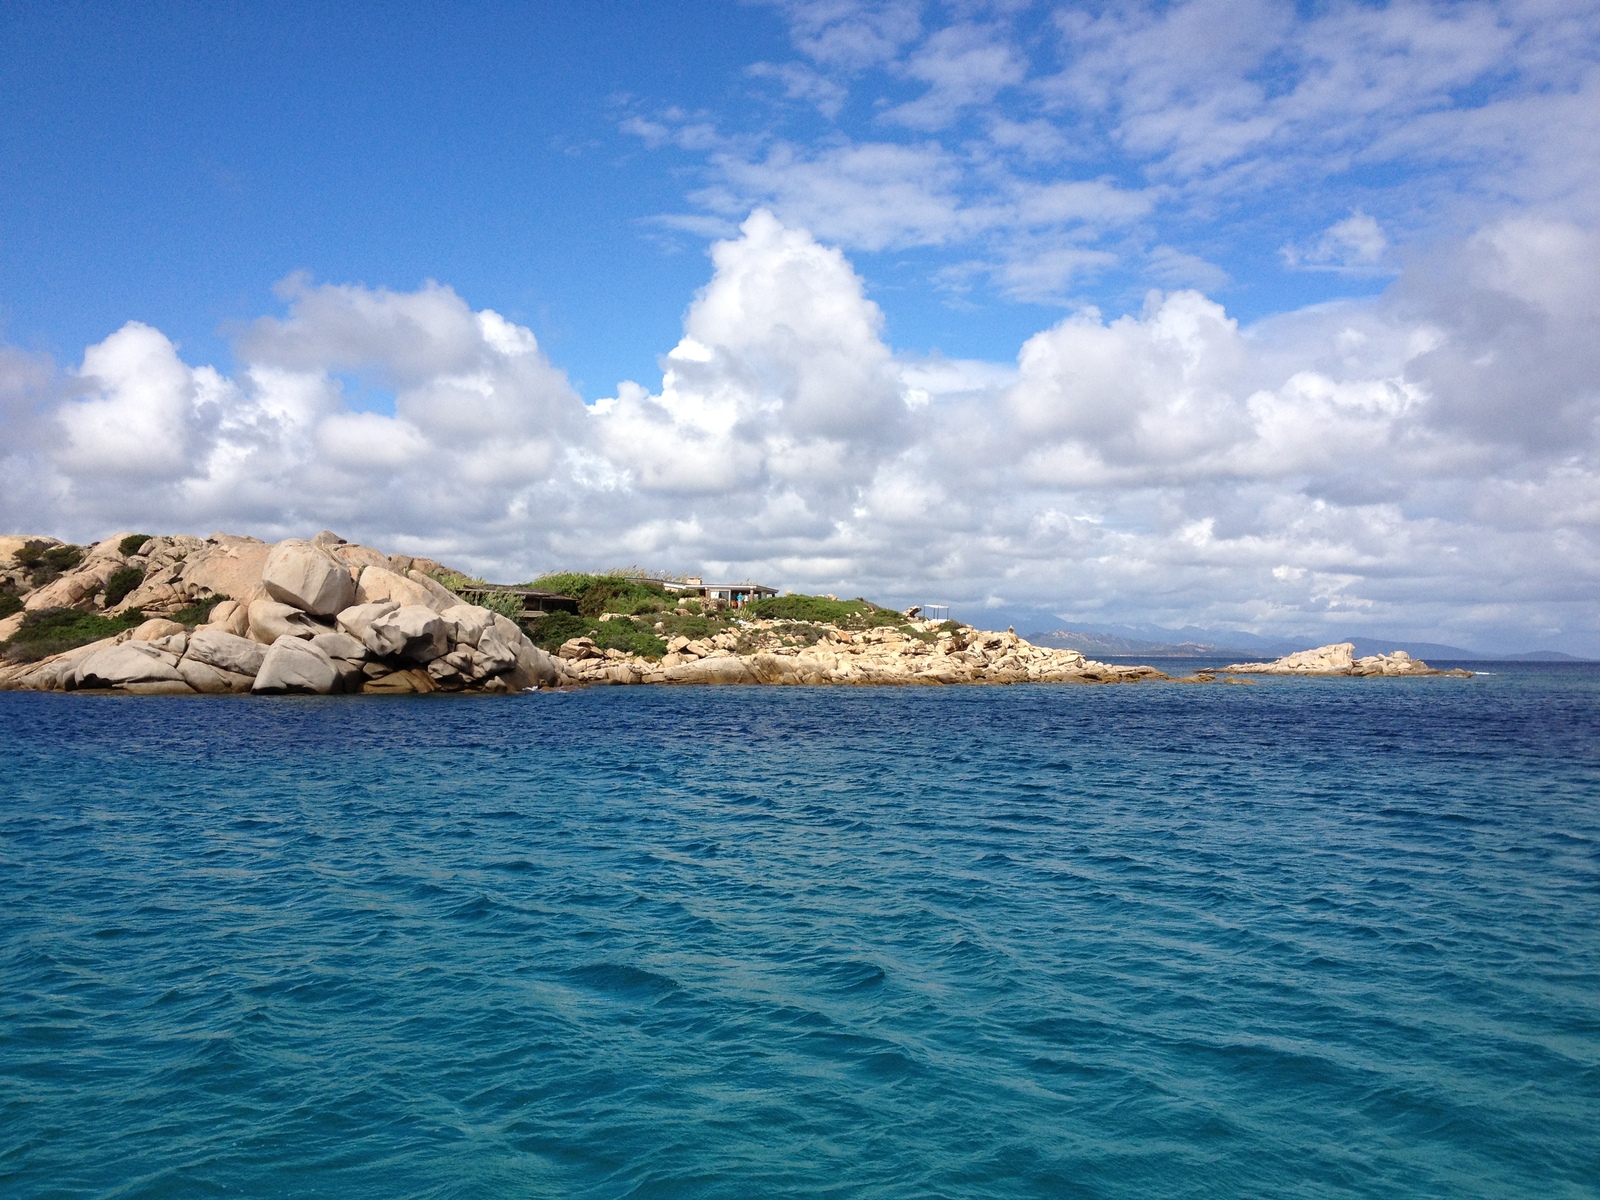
pixel 181 615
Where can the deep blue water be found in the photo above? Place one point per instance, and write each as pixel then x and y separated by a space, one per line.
pixel 1306 938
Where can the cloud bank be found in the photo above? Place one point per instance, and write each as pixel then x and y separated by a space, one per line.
pixel 1058 144
pixel 1423 464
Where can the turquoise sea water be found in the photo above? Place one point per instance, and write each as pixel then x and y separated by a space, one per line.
pixel 1307 938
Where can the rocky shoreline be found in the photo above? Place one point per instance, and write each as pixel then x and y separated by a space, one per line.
pixel 185 615
pixel 325 616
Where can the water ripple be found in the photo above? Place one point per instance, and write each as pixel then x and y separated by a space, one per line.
pixel 1313 938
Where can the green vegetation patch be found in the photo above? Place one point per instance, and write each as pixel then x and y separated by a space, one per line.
pixel 507 604
pixel 694 626
pixel 846 614
pixel 132 544
pixel 55 630
pixel 31 554
pixel 197 613
pixel 801 633
pixel 631 637
pixel 46 563
pixel 549 631
pixel 123 580
pixel 10 604
pixel 598 594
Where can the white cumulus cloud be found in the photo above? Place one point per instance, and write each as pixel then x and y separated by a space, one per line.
pixel 1426 463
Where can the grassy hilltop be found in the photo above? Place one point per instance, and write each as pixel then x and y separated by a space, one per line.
pixel 644 616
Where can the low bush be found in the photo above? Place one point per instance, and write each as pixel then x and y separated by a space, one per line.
pixel 598 594
pixel 10 604
pixel 847 614
pixel 507 604
pixel 62 558
pixel 693 627
pixel 631 637
pixel 31 554
pixel 46 563
pixel 549 631
pixel 197 613
pixel 55 630
pixel 455 581
pixel 802 633
pixel 132 544
pixel 123 580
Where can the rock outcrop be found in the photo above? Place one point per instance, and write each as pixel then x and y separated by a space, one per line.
pixel 309 578
pixel 300 617
pixel 784 652
pixel 1339 659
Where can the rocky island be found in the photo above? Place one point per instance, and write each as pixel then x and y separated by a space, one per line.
pixel 1339 659
pixel 181 615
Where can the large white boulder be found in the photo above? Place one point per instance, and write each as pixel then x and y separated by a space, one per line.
pixel 230 617
pixel 467 622
pixel 440 597
pixel 534 668
pixel 379 583
pixel 228 566
pixel 125 663
pixel 710 670
pixel 293 664
pixel 109 548
pixel 225 652
pixel 493 656
pixel 358 618
pixel 411 631
pixel 340 645
pixel 308 577
pixel 270 620
pixel 155 629
pixel 358 556
pixel 212 681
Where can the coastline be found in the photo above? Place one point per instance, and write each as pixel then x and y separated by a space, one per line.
pixel 183 615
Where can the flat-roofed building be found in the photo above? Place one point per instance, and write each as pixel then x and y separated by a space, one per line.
pixel 534 602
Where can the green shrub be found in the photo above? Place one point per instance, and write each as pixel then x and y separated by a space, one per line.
pixel 197 613
pixel 54 630
pixel 455 581
pixel 802 633
pixel 10 604
pixel 598 594
pixel 551 629
pixel 816 608
pixel 123 580
pixel 632 637
pixel 62 558
pixel 507 604
pixel 31 554
pixel 47 563
pixel 693 627
pixel 132 543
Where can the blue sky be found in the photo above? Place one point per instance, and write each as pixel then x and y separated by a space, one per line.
pixel 170 163
pixel 1251 314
